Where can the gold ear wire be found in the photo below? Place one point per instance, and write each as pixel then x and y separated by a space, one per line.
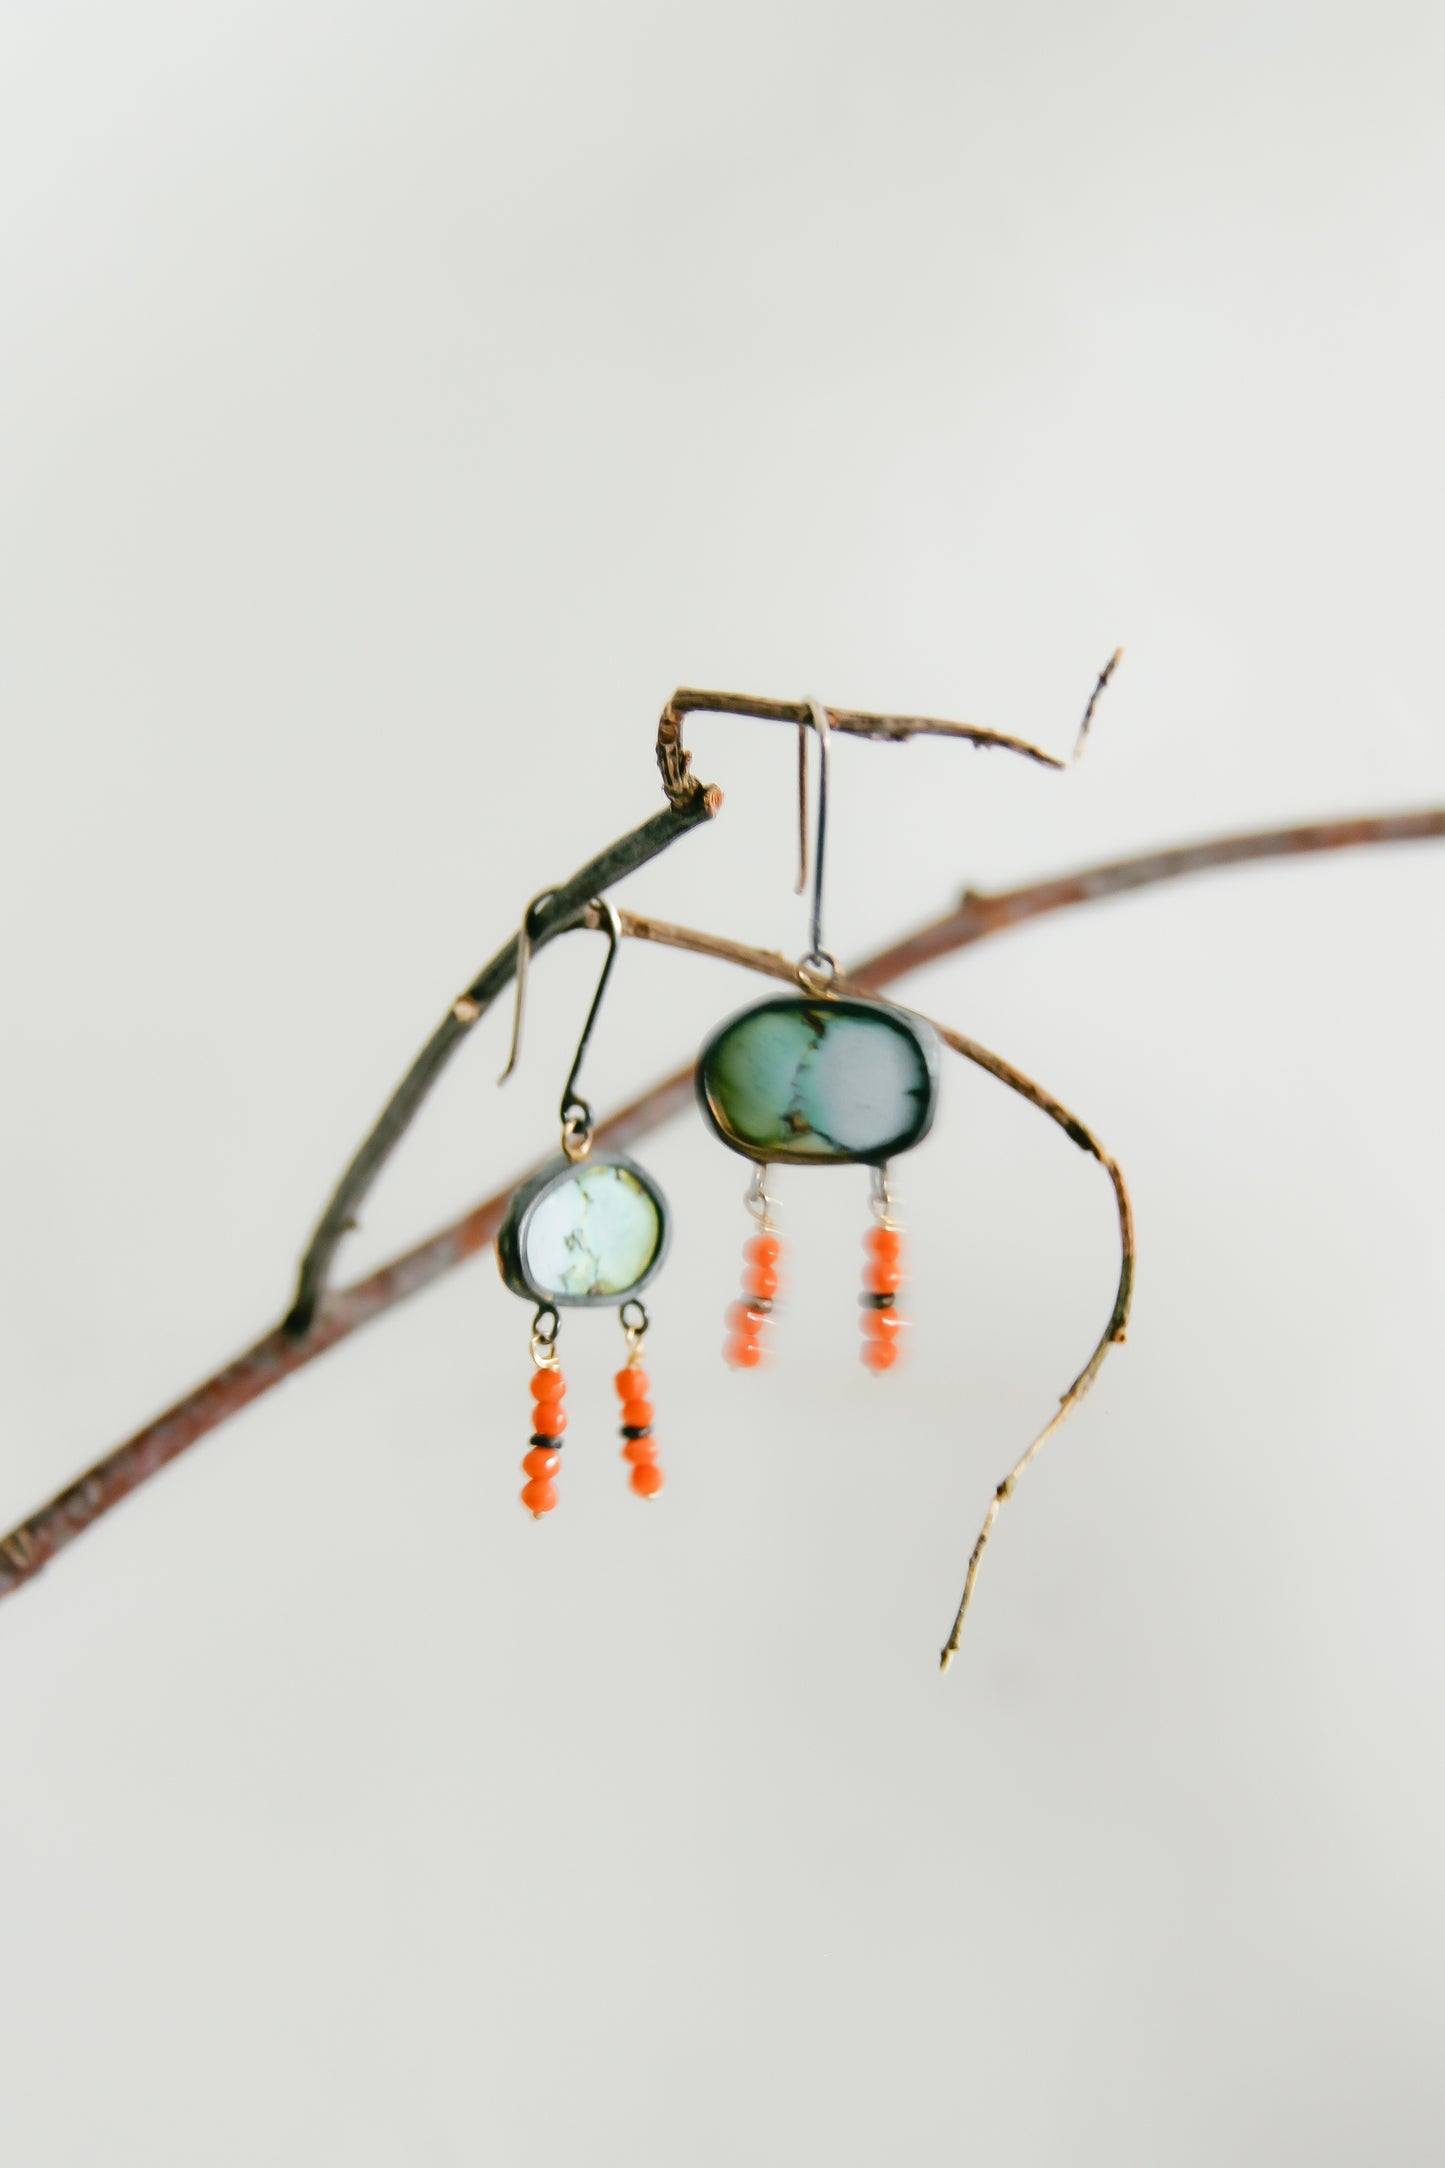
pixel 802 880
pixel 524 957
pixel 575 1112
pixel 817 969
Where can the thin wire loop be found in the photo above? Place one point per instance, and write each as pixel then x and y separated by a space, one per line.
pixel 543 1345
pixel 816 972
pixel 634 1329
pixel 757 1201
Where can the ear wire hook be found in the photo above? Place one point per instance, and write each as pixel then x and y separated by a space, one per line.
pixel 524 957
pixel 575 1112
pixel 817 969
pixel 802 881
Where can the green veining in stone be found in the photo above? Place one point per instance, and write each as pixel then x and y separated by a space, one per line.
pixel 594 1233
pixel 817 1080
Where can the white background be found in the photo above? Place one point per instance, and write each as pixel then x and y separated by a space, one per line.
pixel 397 403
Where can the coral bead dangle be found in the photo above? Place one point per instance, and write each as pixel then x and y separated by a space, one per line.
pixel 882 1278
pixel 748 1317
pixel 633 1390
pixel 543 1458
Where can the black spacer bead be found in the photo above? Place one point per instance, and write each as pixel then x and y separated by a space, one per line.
pixel 877 1302
pixel 637 1430
pixel 554 1443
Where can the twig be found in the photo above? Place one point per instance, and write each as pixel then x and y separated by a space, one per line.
pixel 1113 1334
pixel 278 1355
pixel 675 762
pixel 1094 698
pixel 978 915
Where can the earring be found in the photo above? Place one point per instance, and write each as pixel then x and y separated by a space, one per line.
pixel 819 1079
pixel 584 1233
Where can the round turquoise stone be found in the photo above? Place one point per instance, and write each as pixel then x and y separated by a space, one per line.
pixel 595 1232
pixel 820 1081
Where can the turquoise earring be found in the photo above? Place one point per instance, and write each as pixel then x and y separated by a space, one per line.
pixel 586 1232
pixel 819 1079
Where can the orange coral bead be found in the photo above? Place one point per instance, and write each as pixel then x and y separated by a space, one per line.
pixel 549 1418
pixel 542 1460
pixel 742 1353
pixel 882 1279
pixel 548 1385
pixel 637 1450
pixel 881 1324
pixel 636 1414
pixel 763 1250
pixel 539 1496
pixel 880 1354
pixel 746 1319
pixel 632 1384
pixel 647 1479
pixel 760 1280
pixel 885 1243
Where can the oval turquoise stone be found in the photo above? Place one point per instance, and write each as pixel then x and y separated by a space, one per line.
pixel 820 1081
pixel 583 1231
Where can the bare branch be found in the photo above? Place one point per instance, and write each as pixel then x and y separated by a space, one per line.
pixel 1094 698
pixel 1113 1334
pixel 979 915
pixel 278 1355
pixel 682 786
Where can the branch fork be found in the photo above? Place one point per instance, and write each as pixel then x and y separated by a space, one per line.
pixel 318 1320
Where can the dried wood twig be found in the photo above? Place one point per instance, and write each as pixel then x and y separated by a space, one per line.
pixel 682 787
pixel 280 1353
